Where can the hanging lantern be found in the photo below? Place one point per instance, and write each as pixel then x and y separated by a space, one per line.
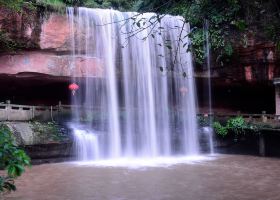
pixel 73 87
pixel 183 90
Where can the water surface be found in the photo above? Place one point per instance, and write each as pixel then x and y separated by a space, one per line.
pixel 225 178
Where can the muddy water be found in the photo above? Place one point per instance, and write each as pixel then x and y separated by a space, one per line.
pixel 226 178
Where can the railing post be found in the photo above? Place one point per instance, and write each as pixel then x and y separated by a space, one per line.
pixel 59 111
pixel 33 112
pixel 59 105
pixel 52 114
pixel 8 109
pixel 250 118
pixel 264 117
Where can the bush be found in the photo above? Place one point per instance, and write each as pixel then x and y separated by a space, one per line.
pixel 219 129
pixel 12 159
pixel 236 125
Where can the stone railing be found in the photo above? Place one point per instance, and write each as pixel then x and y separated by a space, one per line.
pixel 14 112
pixel 270 118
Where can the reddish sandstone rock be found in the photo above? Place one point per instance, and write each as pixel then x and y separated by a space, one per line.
pixel 33 29
pixel 50 63
pixel 55 33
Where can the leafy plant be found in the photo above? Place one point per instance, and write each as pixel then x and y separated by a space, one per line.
pixel 219 129
pixel 12 159
pixel 236 125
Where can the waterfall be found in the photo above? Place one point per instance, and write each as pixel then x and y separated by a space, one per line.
pixel 209 130
pixel 142 103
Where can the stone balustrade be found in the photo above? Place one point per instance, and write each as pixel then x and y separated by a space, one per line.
pixel 14 112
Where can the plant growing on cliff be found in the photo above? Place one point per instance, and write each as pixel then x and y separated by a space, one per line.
pixel 12 159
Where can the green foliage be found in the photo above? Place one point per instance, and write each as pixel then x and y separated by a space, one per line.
pixel 58 5
pixel 219 129
pixel 12 4
pixel 12 159
pixel 219 16
pixel 122 5
pixel 219 13
pixel 236 125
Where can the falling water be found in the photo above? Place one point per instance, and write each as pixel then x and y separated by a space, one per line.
pixel 138 106
pixel 208 62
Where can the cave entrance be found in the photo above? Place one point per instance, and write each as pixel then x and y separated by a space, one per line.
pixel 34 89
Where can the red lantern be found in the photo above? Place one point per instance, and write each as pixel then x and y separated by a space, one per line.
pixel 73 87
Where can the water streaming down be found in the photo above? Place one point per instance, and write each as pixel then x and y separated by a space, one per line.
pixel 208 62
pixel 138 108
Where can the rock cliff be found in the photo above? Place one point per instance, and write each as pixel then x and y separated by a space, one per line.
pixel 44 40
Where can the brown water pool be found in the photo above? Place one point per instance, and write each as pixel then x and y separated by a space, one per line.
pixel 230 177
